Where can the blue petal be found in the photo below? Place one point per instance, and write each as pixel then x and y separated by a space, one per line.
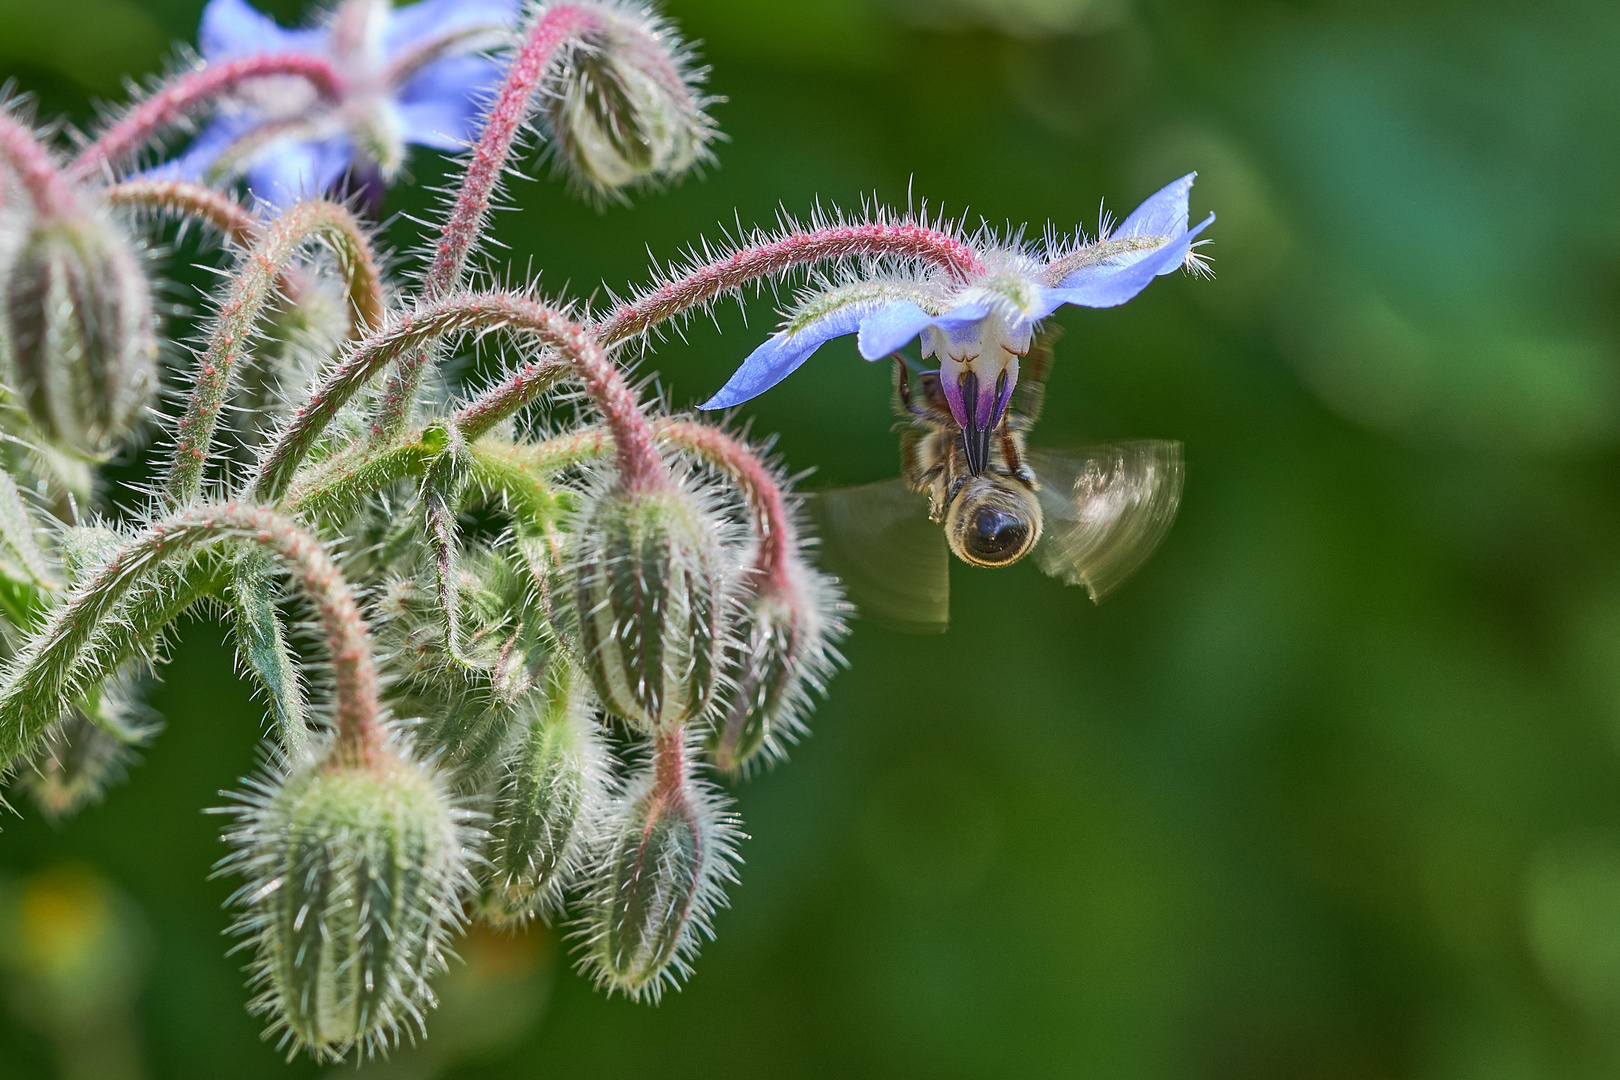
pixel 442 18
pixel 1163 214
pixel 781 355
pixel 440 106
pixel 1110 286
pixel 288 170
pixel 232 29
pixel 890 327
pixel 212 141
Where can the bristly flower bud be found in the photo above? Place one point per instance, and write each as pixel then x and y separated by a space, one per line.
pixel 78 310
pixel 553 788
pixel 627 108
pixel 664 857
pixel 354 872
pixel 89 751
pixel 783 653
pixel 643 602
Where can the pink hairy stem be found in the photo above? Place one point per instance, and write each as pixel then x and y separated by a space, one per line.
pixel 773 527
pixel 45 671
pixel 776 257
pixel 669 765
pixel 194 202
pixel 193 92
pixel 526 320
pixel 555 28
pixel 49 190
pixel 232 334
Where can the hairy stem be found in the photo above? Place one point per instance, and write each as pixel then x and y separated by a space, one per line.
pixel 775 257
pixel 773 525
pixel 338 485
pixel 40 178
pixel 193 92
pixel 191 202
pixel 526 320
pixel 37 681
pixel 669 765
pixel 526 383
pixel 233 332
pixel 554 27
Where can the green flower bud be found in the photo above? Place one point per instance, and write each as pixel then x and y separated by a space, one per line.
pixel 550 794
pixel 644 606
pixel 89 751
pixel 467 708
pixel 666 852
pixel 782 655
pixel 354 872
pixel 78 310
pixel 627 109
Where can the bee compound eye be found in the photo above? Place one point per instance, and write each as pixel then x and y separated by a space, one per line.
pixel 995 535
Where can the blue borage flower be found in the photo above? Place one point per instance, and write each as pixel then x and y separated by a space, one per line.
pixel 411 76
pixel 979 326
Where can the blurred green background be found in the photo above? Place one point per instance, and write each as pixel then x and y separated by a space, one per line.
pixel 1330 790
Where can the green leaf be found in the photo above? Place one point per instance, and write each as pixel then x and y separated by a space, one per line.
pixel 263 647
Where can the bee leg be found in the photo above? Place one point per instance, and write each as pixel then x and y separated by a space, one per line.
pixel 902 389
pixel 1015 460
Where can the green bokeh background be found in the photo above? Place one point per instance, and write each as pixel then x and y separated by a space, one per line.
pixel 1331 789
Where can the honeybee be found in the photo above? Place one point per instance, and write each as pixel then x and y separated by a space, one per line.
pixel 1090 516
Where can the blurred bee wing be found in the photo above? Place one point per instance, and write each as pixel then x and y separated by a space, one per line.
pixel 891 557
pixel 1106 508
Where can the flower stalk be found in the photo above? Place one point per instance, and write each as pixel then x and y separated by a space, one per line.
pixel 192 92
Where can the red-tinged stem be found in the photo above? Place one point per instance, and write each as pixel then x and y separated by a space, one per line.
pixel 43 670
pixel 773 526
pixel 526 320
pixel 233 333
pixel 775 257
pixel 555 27
pixel 194 202
pixel 194 92
pixel 46 186
pixel 527 382
pixel 669 765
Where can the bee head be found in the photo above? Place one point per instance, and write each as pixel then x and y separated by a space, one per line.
pixel 992 521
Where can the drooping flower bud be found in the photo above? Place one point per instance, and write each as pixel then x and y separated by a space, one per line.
pixel 89 751
pixel 627 108
pixel 552 789
pixel 664 856
pixel 781 655
pixel 78 311
pixel 643 603
pixel 465 709
pixel 353 872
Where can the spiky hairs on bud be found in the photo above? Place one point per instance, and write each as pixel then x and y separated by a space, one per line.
pixel 784 651
pixel 89 750
pixel 644 601
pixel 666 851
pixel 553 790
pixel 353 877
pixel 78 311
pixel 627 108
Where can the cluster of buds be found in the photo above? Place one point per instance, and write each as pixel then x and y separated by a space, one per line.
pixel 538 657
